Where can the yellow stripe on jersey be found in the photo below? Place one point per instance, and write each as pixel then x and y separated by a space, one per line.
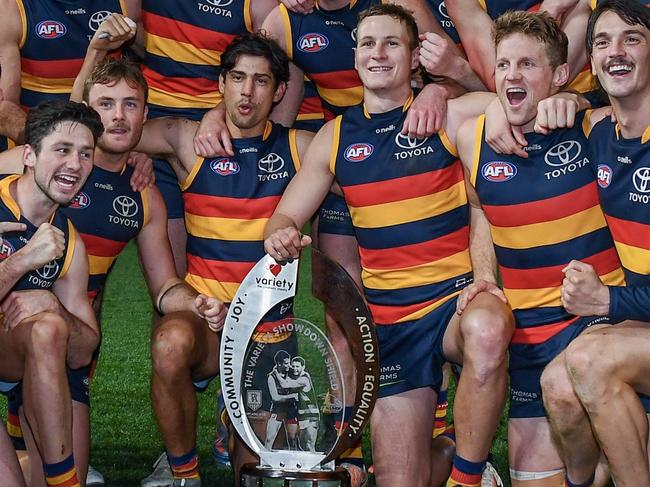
pixel 225 228
pixel 125 11
pixel 444 138
pixel 583 83
pixel 72 244
pixel 23 21
pixel 341 97
pixel 549 233
pixel 248 19
pixel 288 38
pixel 198 163
pixel 45 85
pixel 634 258
pixel 225 291
pixel 419 275
pixel 586 122
pixel 63 478
pixel 293 147
pixel 427 309
pixel 183 52
pixel 99 265
pixel 336 140
pixel 184 100
pixel 6 197
pixel 478 137
pixel 409 210
pixel 146 210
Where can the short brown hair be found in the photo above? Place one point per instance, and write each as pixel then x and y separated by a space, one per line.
pixel 539 25
pixel 398 13
pixel 111 71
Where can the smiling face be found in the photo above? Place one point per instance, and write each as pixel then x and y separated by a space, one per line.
pixel 63 162
pixel 524 76
pixel 383 57
pixel 620 56
pixel 123 110
pixel 249 91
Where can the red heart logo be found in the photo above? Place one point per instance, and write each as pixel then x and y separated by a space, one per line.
pixel 275 269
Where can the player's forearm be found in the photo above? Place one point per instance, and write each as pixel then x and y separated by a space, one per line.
pixel 484 264
pixel 12 121
pixel 277 222
pixel 92 59
pixel 629 303
pixel 84 340
pixel 11 270
pixel 179 297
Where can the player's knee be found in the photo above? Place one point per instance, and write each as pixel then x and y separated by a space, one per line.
pixel 171 347
pixel 486 336
pixel 589 368
pixel 49 336
pixel 557 390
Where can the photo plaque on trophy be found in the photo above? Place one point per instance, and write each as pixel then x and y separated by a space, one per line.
pixel 283 384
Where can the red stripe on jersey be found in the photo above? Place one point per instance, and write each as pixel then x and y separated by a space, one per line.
pixel 311 104
pixel 177 30
pixel 189 86
pixel 604 262
pixel 217 269
pixel 539 334
pixel 416 254
pixel 337 79
pixel 65 68
pixel 101 247
pixel 629 232
pixel 223 207
pixel 545 210
pixel 388 315
pixel 404 188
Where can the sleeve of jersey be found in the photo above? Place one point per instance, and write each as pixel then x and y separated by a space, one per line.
pixel 629 303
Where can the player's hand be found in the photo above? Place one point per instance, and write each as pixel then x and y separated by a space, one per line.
pixel 427 112
pixel 471 291
pixel 211 310
pixel 8 227
pixel 285 244
pixel 113 32
pixel 502 137
pixel 557 8
pixel 300 6
pixel 20 305
pixel 357 475
pixel 438 55
pixel 47 244
pixel 583 293
pixel 143 176
pixel 212 139
pixel 557 111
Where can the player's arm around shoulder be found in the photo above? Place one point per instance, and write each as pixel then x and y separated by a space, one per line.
pixel 464 108
pixel 11 161
pixel 303 196
pixel 72 292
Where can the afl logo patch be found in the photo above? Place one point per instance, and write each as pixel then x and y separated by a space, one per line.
pixel 224 167
pixel 604 175
pixel 80 201
pixel 358 152
pixel 6 249
pixel 313 42
pixel 499 171
pixel 50 29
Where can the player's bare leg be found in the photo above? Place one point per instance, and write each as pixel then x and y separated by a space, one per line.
pixel 533 458
pixel 183 349
pixel 572 432
pixel 10 471
pixel 36 351
pixel 400 428
pixel 607 385
pixel 478 340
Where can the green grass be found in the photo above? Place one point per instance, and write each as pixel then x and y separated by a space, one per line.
pixel 125 435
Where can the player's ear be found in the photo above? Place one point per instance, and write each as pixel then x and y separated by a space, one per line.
pixel 561 75
pixel 279 91
pixel 29 156
pixel 146 114
pixel 222 81
pixel 415 58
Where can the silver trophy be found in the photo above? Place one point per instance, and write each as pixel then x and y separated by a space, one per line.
pixel 282 381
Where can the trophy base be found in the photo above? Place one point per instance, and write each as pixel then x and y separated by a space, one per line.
pixel 252 475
